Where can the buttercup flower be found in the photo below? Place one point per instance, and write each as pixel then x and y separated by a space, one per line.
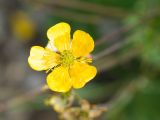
pixel 67 60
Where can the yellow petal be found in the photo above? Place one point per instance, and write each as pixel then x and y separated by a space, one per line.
pixel 82 43
pixel 42 59
pixel 51 46
pixel 59 34
pixel 59 80
pixel 81 73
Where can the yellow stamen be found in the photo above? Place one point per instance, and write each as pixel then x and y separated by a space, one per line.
pixel 67 58
pixel 86 60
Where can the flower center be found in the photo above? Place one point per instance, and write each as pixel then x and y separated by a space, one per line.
pixel 67 58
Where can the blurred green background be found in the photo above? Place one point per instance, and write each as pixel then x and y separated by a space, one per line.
pixel 127 56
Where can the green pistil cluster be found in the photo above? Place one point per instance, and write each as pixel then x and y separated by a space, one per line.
pixel 67 58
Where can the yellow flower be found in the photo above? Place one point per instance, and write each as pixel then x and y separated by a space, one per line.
pixel 22 26
pixel 66 59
